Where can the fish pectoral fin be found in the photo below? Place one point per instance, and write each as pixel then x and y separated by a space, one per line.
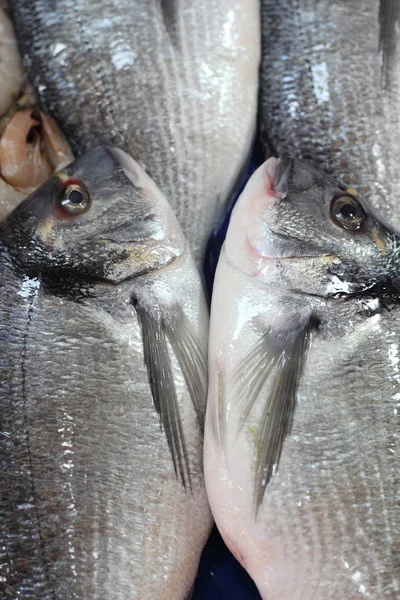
pixel 192 361
pixel 157 332
pixel 278 358
pixel 162 385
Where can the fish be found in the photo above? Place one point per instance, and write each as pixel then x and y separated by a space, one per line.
pixel 173 83
pixel 104 328
pixel 330 91
pixel 302 424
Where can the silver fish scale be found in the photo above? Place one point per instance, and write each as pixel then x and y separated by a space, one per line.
pixel 180 95
pixel 337 516
pixel 90 504
pixel 330 91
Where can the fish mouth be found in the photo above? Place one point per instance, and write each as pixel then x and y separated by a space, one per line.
pixel 278 170
pixel 270 170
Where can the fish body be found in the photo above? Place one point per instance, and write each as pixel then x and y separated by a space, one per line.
pixel 173 83
pixel 302 426
pixel 330 91
pixel 102 492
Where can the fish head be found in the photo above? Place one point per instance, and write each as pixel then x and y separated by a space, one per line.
pixel 299 228
pixel 101 217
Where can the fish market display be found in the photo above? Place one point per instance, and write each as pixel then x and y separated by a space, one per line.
pixel 103 384
pixel 174 83
pixel 31 145
pixel 330 90
pixel 302 426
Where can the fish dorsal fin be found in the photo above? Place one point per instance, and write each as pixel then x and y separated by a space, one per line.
pixel 157 332
pixel 278 357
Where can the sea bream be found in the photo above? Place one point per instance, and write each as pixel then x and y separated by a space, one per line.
pixel 103 386
pixel 302 426
pixel 173 82
pixel 330 90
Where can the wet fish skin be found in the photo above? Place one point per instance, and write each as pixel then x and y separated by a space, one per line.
pixel 97 500
pixel 302 424
pixel 173 83
pixel 330 91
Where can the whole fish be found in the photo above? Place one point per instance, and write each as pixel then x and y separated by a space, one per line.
pixel 173 82
pixel 302 427
pixel 103 385
pixel 330 90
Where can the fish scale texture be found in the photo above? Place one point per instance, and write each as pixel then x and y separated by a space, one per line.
pixel 90 501
pixel 329 87
pixel 176 88
pixel 328 524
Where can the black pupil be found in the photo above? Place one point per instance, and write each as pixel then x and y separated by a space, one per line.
pixel 348 211
pixel 75 196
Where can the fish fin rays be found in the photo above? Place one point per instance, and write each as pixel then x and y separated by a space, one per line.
pixel 192 362
pixel 251 377
pixel 278 360
pixel 158 333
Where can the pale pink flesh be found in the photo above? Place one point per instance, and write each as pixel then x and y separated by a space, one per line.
pixel 22 162
pixel 55 144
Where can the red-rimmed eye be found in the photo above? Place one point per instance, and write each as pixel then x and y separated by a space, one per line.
pixel 75 198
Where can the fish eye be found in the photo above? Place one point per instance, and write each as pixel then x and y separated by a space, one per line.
pixel 347 212
pixel 75 199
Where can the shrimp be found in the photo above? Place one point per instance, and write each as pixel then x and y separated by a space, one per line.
pixel 11 71
pixel 22 162
pixel 55 144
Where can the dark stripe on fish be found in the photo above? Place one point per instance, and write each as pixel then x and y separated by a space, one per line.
pixel 36 519
pixel 170 12
pixel 389 12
